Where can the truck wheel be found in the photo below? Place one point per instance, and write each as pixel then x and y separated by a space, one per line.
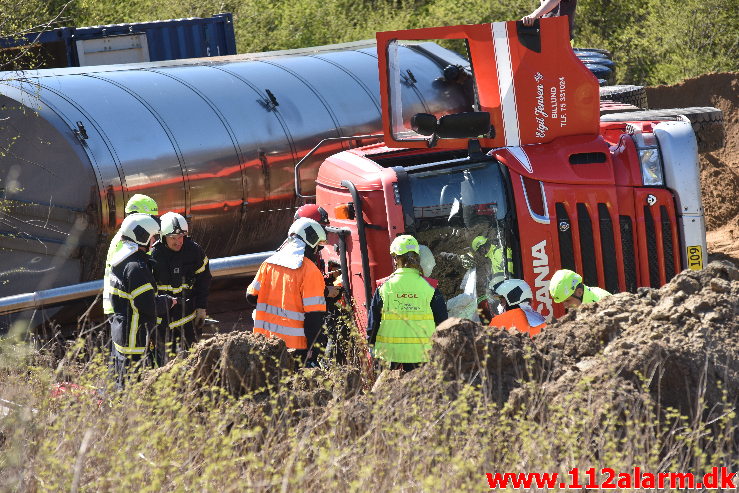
pixel 708 123
pixel 599 51
pixel 627 94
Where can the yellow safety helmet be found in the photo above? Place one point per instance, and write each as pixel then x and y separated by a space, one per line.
pixel 563 284
pixel 142 203
pixel 404 244
pixel 478 242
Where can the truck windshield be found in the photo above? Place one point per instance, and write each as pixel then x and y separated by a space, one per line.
pixel 461 215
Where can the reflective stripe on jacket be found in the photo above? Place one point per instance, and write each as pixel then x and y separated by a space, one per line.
pixel 184 275
pixel 284 296
pixel 495 255
pixel 115 245
pixel 407 321
pixel 517 318
pixel 134 304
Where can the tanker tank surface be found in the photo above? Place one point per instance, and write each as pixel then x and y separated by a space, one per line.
pixel 216 139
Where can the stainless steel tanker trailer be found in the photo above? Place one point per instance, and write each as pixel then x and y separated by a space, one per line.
pixel 216 139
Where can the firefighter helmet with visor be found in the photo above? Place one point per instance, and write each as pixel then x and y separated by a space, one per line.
pixel 173 224
pixel 139 228
pixel 309 231
pixel 514 291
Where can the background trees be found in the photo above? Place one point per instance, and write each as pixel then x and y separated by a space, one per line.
pixel 653 41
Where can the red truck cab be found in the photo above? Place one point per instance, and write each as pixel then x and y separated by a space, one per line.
pixel 514 151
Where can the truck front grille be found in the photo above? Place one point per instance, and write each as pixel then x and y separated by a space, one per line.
pixel 627 247
pixel 608 249
pixel 667 249
pixel 652 256
pixel 564 231
pixel 587 246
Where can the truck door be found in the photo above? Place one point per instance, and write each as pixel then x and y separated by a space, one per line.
pixel 528 79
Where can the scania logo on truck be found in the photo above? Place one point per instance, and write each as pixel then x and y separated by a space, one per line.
pixel 541 284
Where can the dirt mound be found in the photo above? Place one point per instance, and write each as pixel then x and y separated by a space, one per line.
pixel 676 346
pixel 465 351
pixel 720 169
pixel 238 362
pixel 678 341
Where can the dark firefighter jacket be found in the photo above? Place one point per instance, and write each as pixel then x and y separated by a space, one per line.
pixel 184 275
pixel 135 301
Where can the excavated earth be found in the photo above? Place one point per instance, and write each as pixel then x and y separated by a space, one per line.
pixel 719 169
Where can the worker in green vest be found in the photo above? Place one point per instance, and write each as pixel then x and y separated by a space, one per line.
pixel 494 253
pixel 566 287
pixel 405 310
pixel 138 203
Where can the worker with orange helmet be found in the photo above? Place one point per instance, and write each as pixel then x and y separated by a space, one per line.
pixel 405 310
pixel 288 290
pixel 515 297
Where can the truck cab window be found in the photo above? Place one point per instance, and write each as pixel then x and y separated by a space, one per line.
pixel 460 214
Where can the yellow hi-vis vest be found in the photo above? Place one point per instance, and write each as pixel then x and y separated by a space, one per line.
pixel 407 322
pixel 495 255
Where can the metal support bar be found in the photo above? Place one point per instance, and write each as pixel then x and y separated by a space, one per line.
pixel 362 241
pixel 343 233
pixel 298 191
pixel 221 267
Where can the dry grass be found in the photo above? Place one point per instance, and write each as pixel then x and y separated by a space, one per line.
pixel 318 430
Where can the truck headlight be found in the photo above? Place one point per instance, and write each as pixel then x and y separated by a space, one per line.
pixel 651 167
pixel 650 159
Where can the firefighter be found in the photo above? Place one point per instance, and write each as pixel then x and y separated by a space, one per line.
pixel 566 287
pixel 405 310
pixel 181 270
pixel 138 203
pixel 288 290
pixel 312 211
pixel 515 296
pixel 134 297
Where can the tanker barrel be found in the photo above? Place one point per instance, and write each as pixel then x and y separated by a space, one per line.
pixel 215 139
pixel 244 265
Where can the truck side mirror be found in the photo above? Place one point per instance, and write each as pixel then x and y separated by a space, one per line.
pixel 423 124
pixel 464 125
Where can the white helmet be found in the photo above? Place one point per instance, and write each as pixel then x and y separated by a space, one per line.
pixel 428 262
pixel 173 224
pixel 515 291
pixel 309 231
pixel 140 228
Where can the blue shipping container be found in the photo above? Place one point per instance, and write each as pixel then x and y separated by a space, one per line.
pixel 151 41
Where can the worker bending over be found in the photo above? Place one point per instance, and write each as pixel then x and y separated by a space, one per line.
pixel 515 297
pixel 566 287
pixel 405 310
pixel 133 295
pixel 181 270
pixel 288 290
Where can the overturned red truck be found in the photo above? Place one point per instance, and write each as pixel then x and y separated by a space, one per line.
pixel 522 159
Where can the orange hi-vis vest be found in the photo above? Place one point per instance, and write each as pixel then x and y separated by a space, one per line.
pixel 284 296
pixel 517 318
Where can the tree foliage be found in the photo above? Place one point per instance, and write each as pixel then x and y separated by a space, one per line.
pixel 654 41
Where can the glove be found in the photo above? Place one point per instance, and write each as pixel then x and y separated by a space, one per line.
pixel 199 319
pixel 467 261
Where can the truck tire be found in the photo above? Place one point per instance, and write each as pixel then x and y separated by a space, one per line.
pixel 627 94
pixel 708 123
pixel 600 51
